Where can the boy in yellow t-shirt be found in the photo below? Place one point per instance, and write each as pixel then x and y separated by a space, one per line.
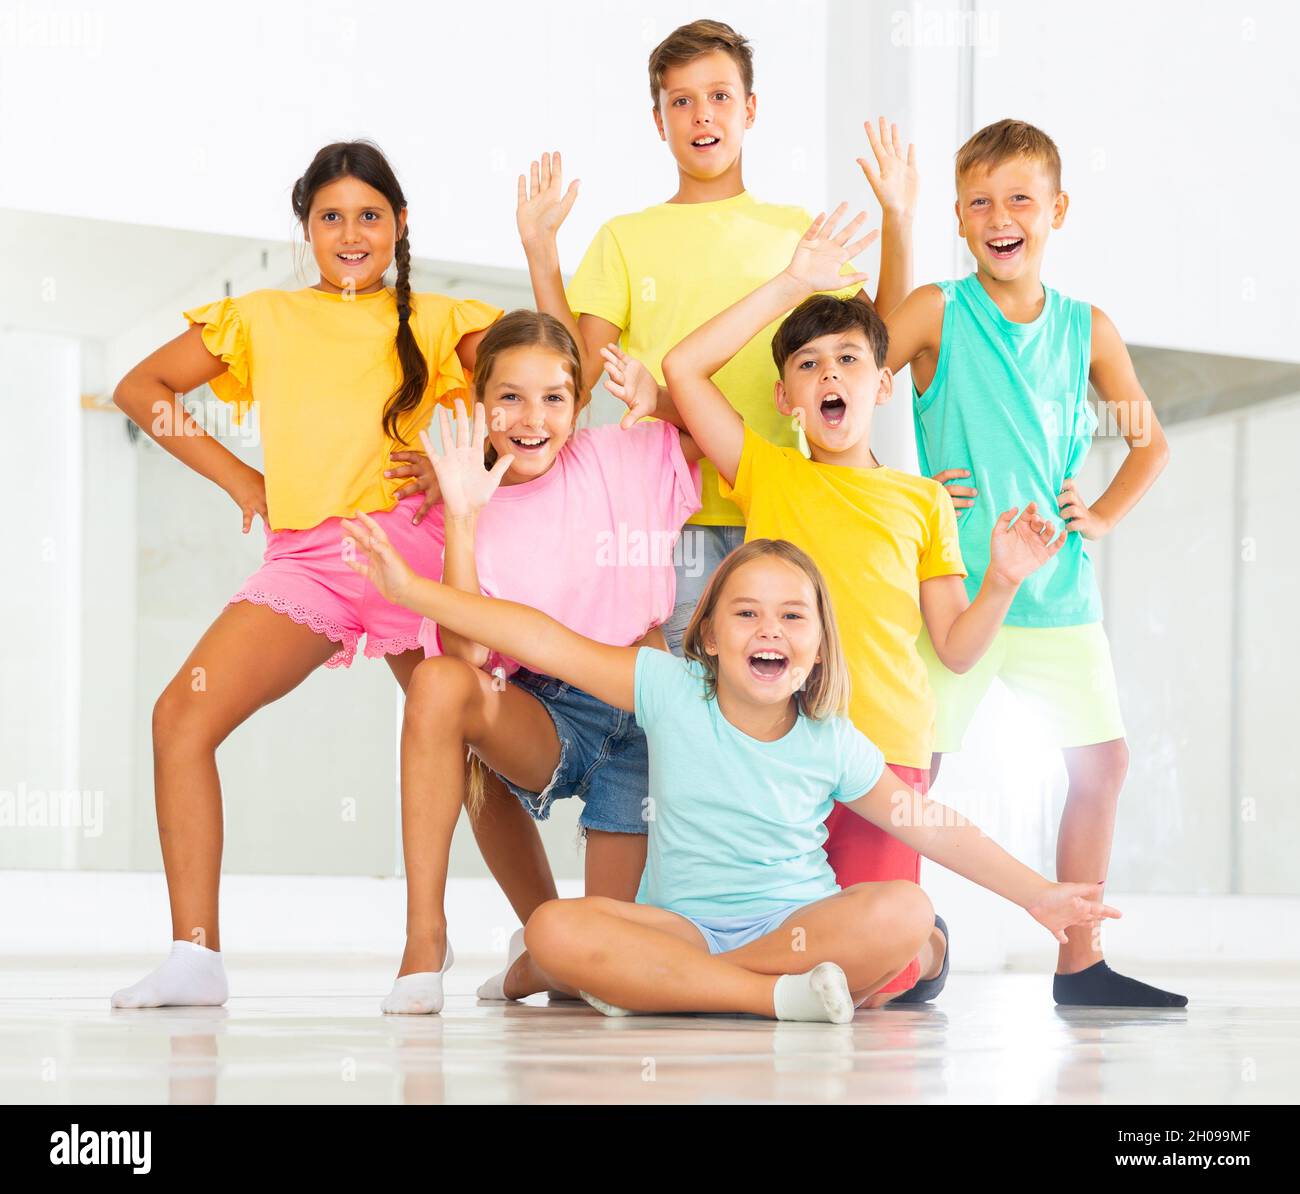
pixel 886 541
pixel 651 277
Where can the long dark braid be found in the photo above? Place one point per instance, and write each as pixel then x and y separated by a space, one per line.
pixel 365 161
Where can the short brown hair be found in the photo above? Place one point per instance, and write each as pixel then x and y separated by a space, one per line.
pixel 824 315
pixel 825 692
pixel 1008 139
pixel 689 42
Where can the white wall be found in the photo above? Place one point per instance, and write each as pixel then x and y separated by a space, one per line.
pixel 1179 130
pixel 211 136
pixel 40 647
pixel 203 121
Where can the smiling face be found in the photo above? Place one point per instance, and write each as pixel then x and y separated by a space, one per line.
pixel 530 408
pixel 353 234
pixel 1005 215
pixel 765 632
pixel 833 385
pixel 703 114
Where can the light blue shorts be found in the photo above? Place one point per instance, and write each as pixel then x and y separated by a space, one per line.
pixel 725 933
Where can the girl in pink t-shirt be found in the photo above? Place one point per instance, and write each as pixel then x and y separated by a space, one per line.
pixel 580 524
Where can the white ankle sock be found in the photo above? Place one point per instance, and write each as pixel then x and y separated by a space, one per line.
pixel 820 995
pixel 192 976
pixel 418 994
pixel 495 987
pixel 607 1009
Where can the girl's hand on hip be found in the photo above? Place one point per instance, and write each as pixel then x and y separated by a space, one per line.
pixel 419 467
pixel 249 493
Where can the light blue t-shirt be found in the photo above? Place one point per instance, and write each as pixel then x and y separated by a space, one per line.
pixel 735 824
pixel 1009 402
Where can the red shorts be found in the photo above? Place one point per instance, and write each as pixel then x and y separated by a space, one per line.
pixel 860 852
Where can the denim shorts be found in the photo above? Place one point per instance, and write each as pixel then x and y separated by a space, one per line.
pixel 725 933
pixel 603 758
pixel 701 550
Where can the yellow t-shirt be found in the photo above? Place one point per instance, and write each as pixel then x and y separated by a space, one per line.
pixel 875 533
pixel 663 272
pixel 321 368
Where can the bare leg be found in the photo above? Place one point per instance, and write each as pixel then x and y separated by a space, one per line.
pixel 647 959
pixel 512 848
pixel 450 706
pixel 614 864
pixel 249 657
pixel 1084 840
pixel 403 666
pixel 613 869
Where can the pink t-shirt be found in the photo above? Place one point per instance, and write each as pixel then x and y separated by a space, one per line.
pixel 591 540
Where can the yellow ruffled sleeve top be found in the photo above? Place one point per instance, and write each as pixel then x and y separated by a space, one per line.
pixel 317 369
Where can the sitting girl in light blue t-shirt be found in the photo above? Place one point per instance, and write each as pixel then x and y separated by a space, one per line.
pixel 738 909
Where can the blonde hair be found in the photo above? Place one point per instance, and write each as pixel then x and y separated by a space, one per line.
pixel 825 692
pixel 1005 141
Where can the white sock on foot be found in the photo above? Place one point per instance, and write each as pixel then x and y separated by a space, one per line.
pixel 607 1009
pixel 495 987
pixel 192 976
pixel 820 995
pixel 418 994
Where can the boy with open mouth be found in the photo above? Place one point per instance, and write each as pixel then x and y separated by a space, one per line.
pixel 1000 368
pixel 886 540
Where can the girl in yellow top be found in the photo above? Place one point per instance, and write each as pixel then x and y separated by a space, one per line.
pixel 342 373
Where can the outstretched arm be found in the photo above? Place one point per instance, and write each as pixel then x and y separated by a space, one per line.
pixel 689 368
pixel 539 642
pixel 946 837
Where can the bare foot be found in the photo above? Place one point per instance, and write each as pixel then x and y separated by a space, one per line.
pixel 932 954
pixel 526 978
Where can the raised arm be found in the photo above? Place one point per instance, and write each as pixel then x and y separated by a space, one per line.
pixel 689 368
pixel 543 205
pixel 539 642
pixel 1126 402
pixel 915 330
pixel 894 181
pixel 946 837
pixel 465 486
pixel 150 396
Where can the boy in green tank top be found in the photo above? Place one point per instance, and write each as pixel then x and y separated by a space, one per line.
pixel 1000 371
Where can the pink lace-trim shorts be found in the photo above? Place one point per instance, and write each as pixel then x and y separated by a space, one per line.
pixel 305 576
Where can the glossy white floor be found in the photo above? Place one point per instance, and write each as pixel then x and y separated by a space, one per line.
pixel 308 1030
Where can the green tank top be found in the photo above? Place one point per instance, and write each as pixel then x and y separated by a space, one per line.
pixel 1009 402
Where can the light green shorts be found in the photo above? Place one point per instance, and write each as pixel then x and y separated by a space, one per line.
pixel 1063 675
